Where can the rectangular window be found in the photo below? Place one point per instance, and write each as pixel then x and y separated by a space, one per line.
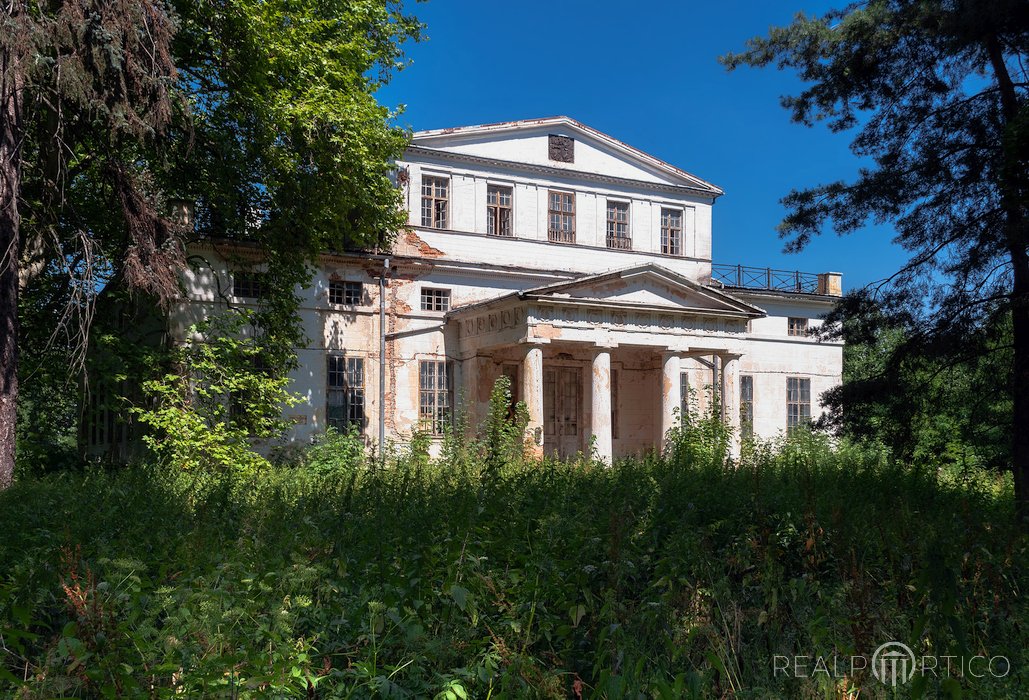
pixel 434 395
pixel 562 217
pixel 798 402
pixel 684 395
pixel 435 299
pixel 345 293
pixel 671 232
pixel 614 403
pixel 511 372
pixel 797 326
pixel 618 226
pixel 498 210
pixel 435 199
pixel 248 285
pixel 345 395
pixel 746 405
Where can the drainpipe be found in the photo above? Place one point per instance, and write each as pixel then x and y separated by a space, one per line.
pixel 382 357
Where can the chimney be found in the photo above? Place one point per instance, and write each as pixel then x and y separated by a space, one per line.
pixel 830 284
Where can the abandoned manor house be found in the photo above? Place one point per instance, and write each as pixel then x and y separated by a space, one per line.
pixel 568 261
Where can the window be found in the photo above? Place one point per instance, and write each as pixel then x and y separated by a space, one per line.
pixel 746 405
pixel 511 372
pixel 684 395
pixel 248 285
pixel 671 232
pixel 498 210
pixel 562 217
pixel 797 326
pixel 434 395
pixel 618 226
pixel 435 196
pixel 345 395
pixel 561 148
pixel 435 299
pixel 798 402
pixel 346 293
pixel 242 404
pixel 614 404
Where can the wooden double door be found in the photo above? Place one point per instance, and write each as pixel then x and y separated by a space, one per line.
pixel 562 411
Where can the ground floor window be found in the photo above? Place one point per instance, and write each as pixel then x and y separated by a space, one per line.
pixel 614 404
pixel 798 402
pixel 345 405
pixel 434 395
pixel 684 395
pixel 746 405
pixel 511 372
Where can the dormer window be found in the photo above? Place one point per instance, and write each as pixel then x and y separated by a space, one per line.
pixel 618 226
pixel 435 201
pixel 561 148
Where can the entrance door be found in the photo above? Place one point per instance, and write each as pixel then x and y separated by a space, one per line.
pixel 562 410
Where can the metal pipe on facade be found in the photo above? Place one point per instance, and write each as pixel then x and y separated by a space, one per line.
pixel 382 357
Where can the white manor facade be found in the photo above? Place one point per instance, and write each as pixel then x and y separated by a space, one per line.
pixel 572 263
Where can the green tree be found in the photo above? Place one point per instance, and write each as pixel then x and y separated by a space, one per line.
pixel 938 95
pixel 262 113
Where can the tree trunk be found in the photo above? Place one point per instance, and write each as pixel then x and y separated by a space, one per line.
pixel 10 254
pixel 1020 386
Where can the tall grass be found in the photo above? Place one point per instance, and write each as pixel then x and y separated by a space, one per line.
pixel 658 577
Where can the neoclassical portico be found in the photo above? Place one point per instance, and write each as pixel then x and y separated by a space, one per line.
pixel 601 362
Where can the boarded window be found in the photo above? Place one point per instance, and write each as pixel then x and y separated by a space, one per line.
pixel 671 232
pixel 435 200
pixel 435 299
pixel 797 326
pixel 746 405
pixel 684 395
pixel 798 402
pixel 345 293
pixel 498 210
pixel 434 395
pixel 561 148
pixel 562 217
pixel 618 226
pixel 345 393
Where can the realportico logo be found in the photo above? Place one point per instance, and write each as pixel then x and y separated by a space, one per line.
pixel 892 664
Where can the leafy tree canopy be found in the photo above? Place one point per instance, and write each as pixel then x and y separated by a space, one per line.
pixel 937 94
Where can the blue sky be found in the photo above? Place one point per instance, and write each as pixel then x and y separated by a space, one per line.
pixel 647 73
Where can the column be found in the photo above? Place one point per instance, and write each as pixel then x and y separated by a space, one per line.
pixel 532 394
pixel 601 420
pixel 671 393
pixel 731 399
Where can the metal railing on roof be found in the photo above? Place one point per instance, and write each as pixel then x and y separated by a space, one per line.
pixel 745 277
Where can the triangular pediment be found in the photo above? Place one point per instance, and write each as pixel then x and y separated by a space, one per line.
pixel 647 286
pixel 527 142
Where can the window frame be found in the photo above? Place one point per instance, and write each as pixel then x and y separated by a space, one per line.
pixel 345 289
pixel 747 405
pixel 615 413
pixel 559 235
pixel 496 210
pixel 795 332
pixel 802 416
pixel 666 230
pixel 435 299
pixel 350 388
pixel 612 239
pixel 249 284
pixel 435 396
pixel 431 218
pixel 684 394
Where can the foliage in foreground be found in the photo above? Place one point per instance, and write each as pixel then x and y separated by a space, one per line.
pixel 661 578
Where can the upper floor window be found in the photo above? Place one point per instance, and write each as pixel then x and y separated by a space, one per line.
pixel 498 210
pixel 345 293
pixel 435 200
pixel 796 326
pixel 435 299
pixel 671 232
pixel 562 217
pixel 798 402
pixel 618 226
pixel 248 285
